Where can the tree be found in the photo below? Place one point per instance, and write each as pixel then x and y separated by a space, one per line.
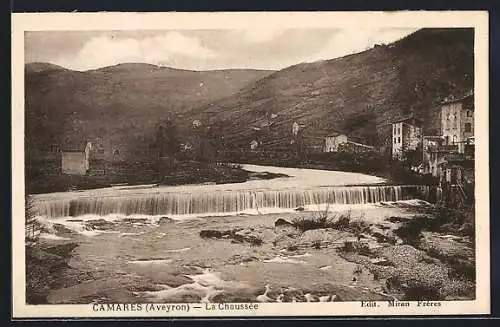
pixel 413 158
pixel 167 142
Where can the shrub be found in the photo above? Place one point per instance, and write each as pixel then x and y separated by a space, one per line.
pixel 358 227
pixel 356 247
pixel 348 247
pixel 462 269
pixel 318 220
pixel 32 226
pixel 316 244
pixel 342 221
pixel 411 231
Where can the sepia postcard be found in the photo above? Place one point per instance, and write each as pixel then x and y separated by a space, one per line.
pixel 250 164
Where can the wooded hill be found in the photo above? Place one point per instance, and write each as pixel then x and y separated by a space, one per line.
pixel 359 94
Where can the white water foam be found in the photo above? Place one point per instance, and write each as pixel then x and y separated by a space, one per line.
pixel 305 255
pixel 130 234
pixel 220 203
pixel 206 285
pixel 80 226
pixel 151 262
pixel 284 260
pixel 54 237
pixel 178 250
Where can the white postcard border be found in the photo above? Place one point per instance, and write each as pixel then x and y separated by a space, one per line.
pixel 259 20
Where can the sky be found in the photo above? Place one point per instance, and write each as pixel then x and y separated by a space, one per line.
pixel 272 49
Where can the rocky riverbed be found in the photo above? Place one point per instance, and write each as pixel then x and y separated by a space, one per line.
pixel 388 251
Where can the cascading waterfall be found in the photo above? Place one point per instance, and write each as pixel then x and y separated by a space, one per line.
pixel 170 203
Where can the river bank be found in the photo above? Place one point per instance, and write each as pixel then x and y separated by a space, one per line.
pixel 387 251
pixel 185 173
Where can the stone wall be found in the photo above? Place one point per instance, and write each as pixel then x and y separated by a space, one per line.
pixel 73 163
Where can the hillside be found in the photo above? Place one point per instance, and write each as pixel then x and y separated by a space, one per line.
pixel 119 104
pixel 358 94
pixel 38 67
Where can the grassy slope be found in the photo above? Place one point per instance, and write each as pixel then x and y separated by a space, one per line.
pixel 121 103
pixel 357 94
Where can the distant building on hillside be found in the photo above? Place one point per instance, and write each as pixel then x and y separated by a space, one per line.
pixel 406 135
pixel 76 162
pixel 254 144
pixel 196 123
pixel 332 142
pixel 457 122
pixel 296 127
pixel 355 147
pixel 341 143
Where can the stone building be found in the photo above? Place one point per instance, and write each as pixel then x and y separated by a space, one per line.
pixel 333 142
pixel 406 135
pixel 450 156
pixel 457 121
pixel 254 144
pixel 354 147
pixel 432 152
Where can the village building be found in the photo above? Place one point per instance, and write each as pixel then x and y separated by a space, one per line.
pixel 432 153
pixel 341 143
pixel 457 122
pixel 76 162
pixel 355 147
pixel 254 144
pixel 406 136
pixel 457 179
pixel 297 127
pixel 196 123
pixel 332 142
pixel 450 156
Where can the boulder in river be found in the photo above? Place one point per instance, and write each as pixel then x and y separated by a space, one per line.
pixel 236 235
pixel 61 229
pixel 210 233
pixel 165 220
pixel 248 236
pixel 100 224
pixel 282 222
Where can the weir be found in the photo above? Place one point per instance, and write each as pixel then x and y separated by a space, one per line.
pixel 170 203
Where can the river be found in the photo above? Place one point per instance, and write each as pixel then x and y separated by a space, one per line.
pixel 143 243
pixel 302 188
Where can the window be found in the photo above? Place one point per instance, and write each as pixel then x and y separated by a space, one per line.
pixel 469 113
pixel 454 139
pixel 468 127
pixel 399 139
